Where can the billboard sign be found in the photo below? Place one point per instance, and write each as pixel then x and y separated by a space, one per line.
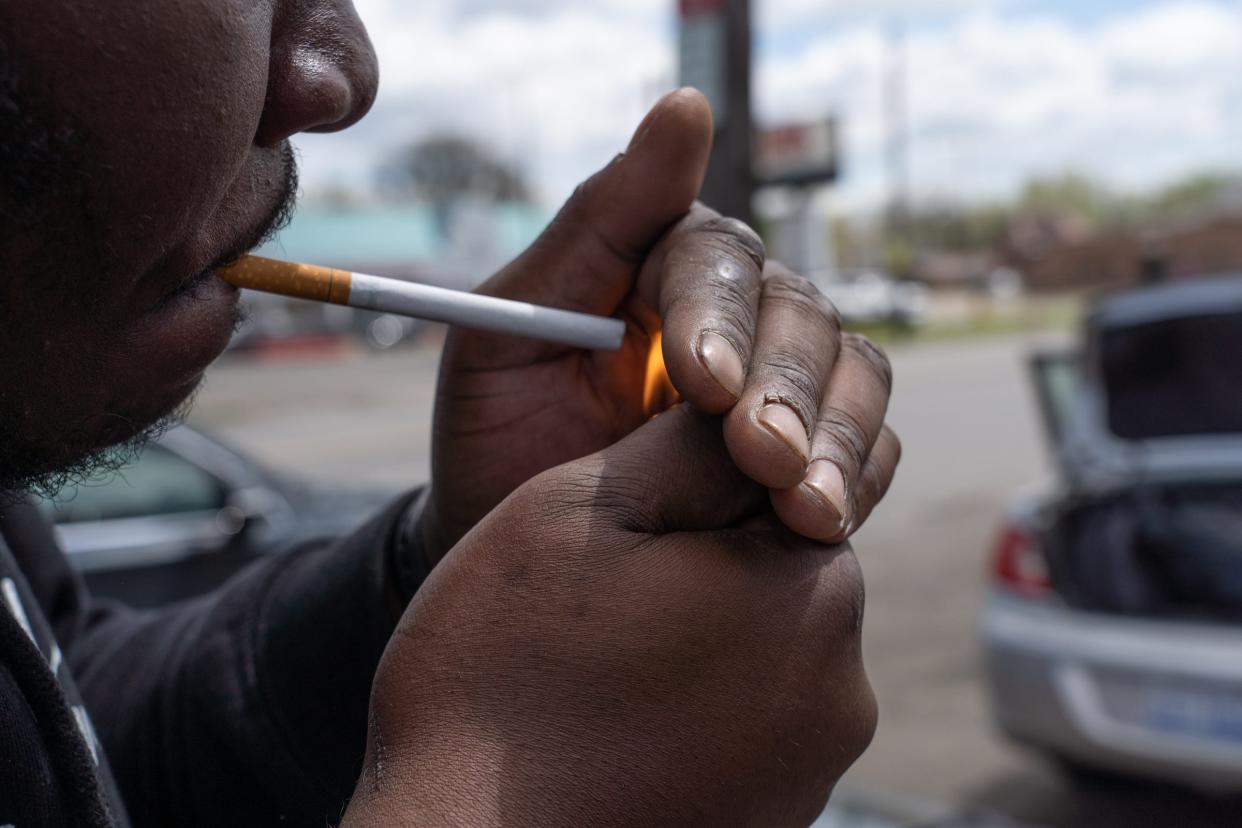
pixel 800 154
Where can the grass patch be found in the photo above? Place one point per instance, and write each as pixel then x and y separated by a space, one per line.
pixel 1029 315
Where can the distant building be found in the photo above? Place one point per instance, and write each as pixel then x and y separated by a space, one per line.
pixel 1121 259
pixel 400 241
pixel 404 241
pixel 953 269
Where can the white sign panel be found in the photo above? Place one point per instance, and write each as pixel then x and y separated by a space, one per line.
pixel 805 153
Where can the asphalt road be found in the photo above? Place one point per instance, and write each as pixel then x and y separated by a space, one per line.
pixel 971 439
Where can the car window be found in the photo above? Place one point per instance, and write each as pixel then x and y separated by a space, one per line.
pixel 1056 376
pixel 1174 378
pixel 158 483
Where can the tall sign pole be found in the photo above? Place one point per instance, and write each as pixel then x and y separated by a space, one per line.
pixel 716 59
pixel 898 138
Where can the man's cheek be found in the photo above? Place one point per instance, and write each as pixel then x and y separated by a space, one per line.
pixel 164 151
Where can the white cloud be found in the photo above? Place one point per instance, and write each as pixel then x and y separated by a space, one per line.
pixel 994 96
pixel 779 14
pixel 993 99
pixel 555 86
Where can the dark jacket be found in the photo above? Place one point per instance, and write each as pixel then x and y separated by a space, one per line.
pixel 244 707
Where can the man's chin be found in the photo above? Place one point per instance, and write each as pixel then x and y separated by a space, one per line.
pixel 86 455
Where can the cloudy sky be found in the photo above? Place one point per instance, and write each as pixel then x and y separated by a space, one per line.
pixel 1135 92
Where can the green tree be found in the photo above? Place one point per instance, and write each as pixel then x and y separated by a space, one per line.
pixel 441 169
pixel 1071 194
pixel 1198 193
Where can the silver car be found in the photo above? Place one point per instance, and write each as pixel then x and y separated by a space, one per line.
pixel 1113 623
pixel 190 512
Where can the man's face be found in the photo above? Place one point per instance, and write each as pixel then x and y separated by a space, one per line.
pixel 142 143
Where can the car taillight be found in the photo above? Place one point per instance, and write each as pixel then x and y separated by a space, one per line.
pixel 1018 563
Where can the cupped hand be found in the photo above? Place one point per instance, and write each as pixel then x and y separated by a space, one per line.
pixel 805 403
pixel 633 638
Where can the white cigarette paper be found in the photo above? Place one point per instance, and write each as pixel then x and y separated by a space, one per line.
pixel 468 310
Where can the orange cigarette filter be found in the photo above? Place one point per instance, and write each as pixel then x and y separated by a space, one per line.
pixel 302 281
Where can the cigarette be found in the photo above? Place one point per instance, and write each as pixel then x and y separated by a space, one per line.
pixel 468 310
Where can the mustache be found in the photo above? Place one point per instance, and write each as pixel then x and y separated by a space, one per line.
pixel 278 217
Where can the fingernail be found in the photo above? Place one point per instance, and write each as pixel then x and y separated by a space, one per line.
pixel 722 362
pixel 781 421
pixel 825 483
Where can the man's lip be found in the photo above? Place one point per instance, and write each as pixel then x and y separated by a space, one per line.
pixel 239 236
pixel 189 285
pixel 199 274
pixel 242 245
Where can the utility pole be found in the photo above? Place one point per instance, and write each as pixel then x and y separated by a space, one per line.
pixel 716 58
pixel 898 138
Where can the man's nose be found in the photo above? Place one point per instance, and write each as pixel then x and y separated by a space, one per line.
pixel 323 74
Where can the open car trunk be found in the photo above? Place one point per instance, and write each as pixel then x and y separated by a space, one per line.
pixel 1147 423
pixel 1163 550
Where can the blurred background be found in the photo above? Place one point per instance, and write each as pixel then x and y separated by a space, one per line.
pixel 1054 587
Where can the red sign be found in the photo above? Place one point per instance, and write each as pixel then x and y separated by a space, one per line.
pixel 694 8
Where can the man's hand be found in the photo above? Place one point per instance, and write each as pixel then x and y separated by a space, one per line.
pixel 630 639
pixel 805 404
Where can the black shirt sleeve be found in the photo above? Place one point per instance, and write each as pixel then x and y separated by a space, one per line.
pixel 247 706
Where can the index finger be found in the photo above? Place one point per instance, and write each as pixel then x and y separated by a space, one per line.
pixel 705 278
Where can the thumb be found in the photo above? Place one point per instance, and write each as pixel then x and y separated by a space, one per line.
pixel 588 257
pixel 674 474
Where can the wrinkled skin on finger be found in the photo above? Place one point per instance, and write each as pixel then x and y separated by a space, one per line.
pixel 738 336
pixel 624 642
pixel 853 455
pixel 508 409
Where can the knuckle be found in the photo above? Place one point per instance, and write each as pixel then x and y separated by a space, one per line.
pixel 783 286
pixel 791 288
pixel 577 208
pixel 563 497
pixel 872 356
pixel 734 237
pixel 794 382
pixel 847 435
pixel 719 303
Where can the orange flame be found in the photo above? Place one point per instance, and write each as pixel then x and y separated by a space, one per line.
pixel 658 391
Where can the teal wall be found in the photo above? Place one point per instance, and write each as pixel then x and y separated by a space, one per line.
pixel 404 234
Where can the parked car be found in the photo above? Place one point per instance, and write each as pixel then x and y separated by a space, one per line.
pixel 870 296
pixel 187 515
pixel 272 320
pixel 1113 624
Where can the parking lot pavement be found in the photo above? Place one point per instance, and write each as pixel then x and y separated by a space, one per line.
pixel 971 438
pixel 353 418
